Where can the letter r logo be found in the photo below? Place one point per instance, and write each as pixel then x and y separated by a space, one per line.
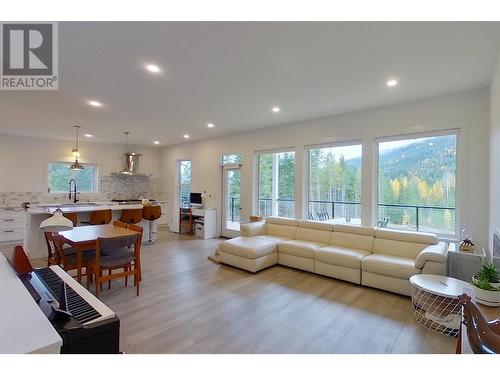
pixel 27 49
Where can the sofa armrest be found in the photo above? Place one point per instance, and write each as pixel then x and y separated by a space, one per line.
pixel 434 253
pixel 253 229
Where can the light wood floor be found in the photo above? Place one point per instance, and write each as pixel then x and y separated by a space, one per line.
pixel 189 304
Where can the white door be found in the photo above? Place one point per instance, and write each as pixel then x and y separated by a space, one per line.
pixel 231 202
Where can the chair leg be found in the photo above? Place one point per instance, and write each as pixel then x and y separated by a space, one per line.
pixel 136 278
pixel 98 284
pixel 89 275
pixel 100 280
pixel 109 281
pixel 125 269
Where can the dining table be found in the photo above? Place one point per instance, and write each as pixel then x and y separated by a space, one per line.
pixel 84 238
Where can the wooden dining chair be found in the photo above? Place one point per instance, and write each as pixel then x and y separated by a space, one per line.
pixel 121 224
pixel 119 256
pixel 52 255
pixel 140 231
pixel 67 256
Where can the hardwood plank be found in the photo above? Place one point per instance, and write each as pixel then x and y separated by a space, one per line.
pixel 189 304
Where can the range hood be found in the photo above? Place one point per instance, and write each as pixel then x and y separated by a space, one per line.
pixel 131 165
pixel 131 162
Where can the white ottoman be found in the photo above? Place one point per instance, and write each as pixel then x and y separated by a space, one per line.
pixel 249 253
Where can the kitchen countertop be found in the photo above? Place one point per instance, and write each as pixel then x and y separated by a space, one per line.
pixel 49 208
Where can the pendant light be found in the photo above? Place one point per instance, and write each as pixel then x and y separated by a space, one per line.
pixel 126 171
pixel 56 223
pixel 76 166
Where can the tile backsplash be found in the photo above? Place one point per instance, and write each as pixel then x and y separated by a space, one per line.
pixel 110 187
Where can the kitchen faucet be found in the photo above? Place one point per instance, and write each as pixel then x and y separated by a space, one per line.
pixel 75 199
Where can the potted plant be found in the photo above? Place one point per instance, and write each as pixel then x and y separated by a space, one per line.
pixel 487 285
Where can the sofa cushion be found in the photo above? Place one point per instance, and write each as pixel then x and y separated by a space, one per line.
pixel 352 241
pixel 399 235
pixel 253 229
pixel 281 230
pixel 249 247
pixel 354 229
pixel 397 248
pixel 281 221
pixel 274 238
pixel 312 224
pixel 341 256
pixel 313 235
pixel 299 248
pixel 400 267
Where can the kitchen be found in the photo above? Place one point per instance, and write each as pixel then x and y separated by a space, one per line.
pixel 109 190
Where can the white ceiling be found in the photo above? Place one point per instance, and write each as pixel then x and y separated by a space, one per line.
pixel 232 73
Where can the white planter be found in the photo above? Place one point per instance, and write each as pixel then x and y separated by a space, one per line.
pixel 487 297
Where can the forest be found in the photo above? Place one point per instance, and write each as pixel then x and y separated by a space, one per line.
pixel 418 173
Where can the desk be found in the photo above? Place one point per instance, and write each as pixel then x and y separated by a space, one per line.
pixel 209 218
pixel 84 238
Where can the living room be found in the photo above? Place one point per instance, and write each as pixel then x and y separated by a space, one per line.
pixel 195 186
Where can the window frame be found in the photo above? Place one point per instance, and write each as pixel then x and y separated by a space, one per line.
pixel 458 132
pixel 305 188
pixel 223 163
pixel 256 178
pixel 68 163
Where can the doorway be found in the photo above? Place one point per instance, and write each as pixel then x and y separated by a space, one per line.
pixel 231 202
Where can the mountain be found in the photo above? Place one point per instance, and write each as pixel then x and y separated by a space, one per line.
pixel 428 159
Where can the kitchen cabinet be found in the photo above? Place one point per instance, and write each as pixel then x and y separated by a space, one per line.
pixel 12 225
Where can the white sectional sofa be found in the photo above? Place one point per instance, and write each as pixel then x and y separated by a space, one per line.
pixel 376 257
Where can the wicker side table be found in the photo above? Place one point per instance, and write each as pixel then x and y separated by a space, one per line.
pixel 435 302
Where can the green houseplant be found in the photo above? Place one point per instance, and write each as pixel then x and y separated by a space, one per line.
pixel 486 284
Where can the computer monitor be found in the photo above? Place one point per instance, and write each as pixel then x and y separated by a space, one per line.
pixel 195 200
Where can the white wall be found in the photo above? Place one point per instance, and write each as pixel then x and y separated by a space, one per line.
pixel 495 154
pixel 23 160
pixel 467 111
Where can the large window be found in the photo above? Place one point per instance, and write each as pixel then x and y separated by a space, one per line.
pixel 184 183
pixel 416 184
pixel 335 184
pixel 59 176
pixel 276 184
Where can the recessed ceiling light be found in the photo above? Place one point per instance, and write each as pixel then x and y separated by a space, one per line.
pixel 156 142
pixel 186 136
pixel 95 103
pixel 210 125
pixel 275 109
pixel 153 68
pixel 392 82
pixel 89 135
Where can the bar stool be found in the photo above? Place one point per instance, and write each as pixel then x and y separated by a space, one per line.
pixel 151 213
pixel 73 216
pixel 131 216
pixel 99 217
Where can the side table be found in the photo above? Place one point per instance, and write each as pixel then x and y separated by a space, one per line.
pixel 435 302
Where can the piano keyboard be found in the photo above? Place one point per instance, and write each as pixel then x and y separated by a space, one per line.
pixel 82 304
pixel 76 305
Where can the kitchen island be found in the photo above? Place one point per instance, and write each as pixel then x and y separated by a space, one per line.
pixel 34 240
